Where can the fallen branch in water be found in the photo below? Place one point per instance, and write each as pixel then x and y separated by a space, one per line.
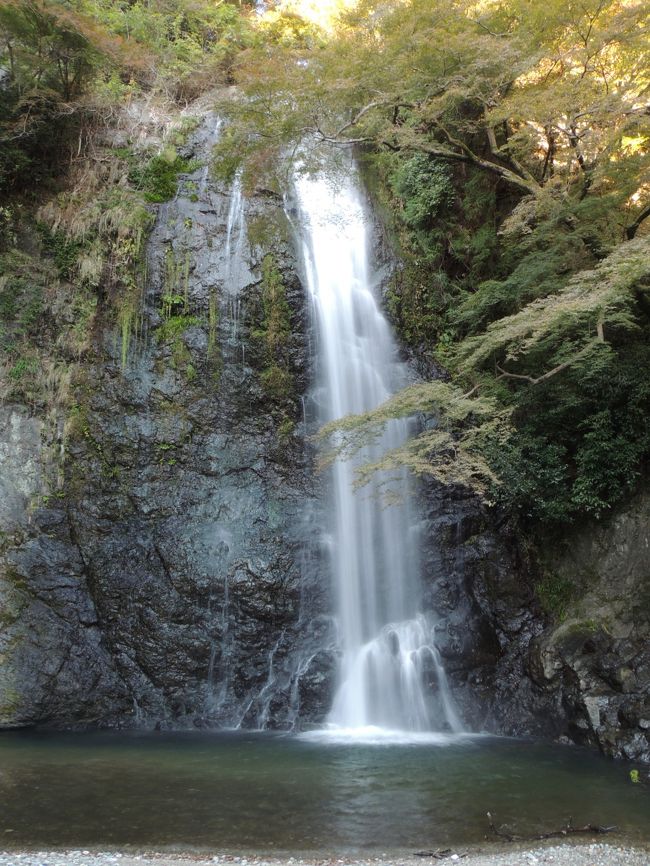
pixel 567 830
pixel 440 854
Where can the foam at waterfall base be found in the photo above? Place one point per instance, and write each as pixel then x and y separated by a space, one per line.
pixel 371 735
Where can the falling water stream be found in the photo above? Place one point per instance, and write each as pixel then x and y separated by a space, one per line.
pixel 391 676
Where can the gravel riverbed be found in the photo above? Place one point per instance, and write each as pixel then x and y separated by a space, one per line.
pixel 565 854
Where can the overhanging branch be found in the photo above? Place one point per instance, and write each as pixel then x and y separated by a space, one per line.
pixel 536 380
pixel 455 151
pixel 633 228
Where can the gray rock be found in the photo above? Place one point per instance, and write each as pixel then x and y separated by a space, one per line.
pixel 170 580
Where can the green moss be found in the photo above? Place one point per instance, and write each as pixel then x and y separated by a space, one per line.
pixel 23 279
pixel 79 426
pixel 76 421
pixel 171 333
pixel 8 306
pixel 213 322
pixel 584 627
pixel 215 359
pixel 276 326
pixel 182 131
pixel 10 705
pixel 165 452
pixel 177 283
pixel 265 231
pixel 16 598
pixel 84 308
pixel 23 368
pixel 158 178
pixel 181 356
pixel 555 593
pixel 174 327
pixel 286 429
pixel 277 382
pixel 16 579
pixel 274 333
pixel 127 255
pixel 63 249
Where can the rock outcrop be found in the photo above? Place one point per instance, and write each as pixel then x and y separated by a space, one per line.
pixel 575 669
pixel 598 656
pixel 173 575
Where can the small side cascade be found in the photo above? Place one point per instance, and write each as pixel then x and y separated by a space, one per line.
pixel 391 675
pixel 214 131
pixel 236 272
pixel 235 234
pixel 218 679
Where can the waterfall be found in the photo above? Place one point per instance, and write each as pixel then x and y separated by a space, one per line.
pixel 235 237
pixel 236 272
pixel 391 675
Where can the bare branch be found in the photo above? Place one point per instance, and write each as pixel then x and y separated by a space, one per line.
pixel 357 117
pixel 631 230
pixel 487 29
pixel 471 392
pixel 505 374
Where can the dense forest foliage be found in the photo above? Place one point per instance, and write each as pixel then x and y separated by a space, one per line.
pixel 92 94
pixel 510 142
pixel 506 142
pixel 69 63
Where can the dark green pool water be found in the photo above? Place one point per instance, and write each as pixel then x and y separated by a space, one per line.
pixel 258 792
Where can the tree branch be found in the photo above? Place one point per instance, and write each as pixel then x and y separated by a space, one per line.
pixel 357 117
pixel 488 30
pixel 471 392
pixel 505 374
pixel 457 151
pixel 631 230
pixel 506 174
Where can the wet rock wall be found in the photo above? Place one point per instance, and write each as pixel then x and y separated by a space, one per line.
pixel 173 575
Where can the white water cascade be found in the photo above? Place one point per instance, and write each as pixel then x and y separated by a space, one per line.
pixel 391 676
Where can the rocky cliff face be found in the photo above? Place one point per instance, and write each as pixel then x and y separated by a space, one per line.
pixel 160 559
pixel 598 657
pixel 488 614
pixel 575 668
pixel 172 575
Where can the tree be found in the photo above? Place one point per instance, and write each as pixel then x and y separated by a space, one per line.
pixel 527 94
pixel 510 141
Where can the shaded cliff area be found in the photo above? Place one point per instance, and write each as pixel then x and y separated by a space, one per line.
pixel 159 563
pixel 550 641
